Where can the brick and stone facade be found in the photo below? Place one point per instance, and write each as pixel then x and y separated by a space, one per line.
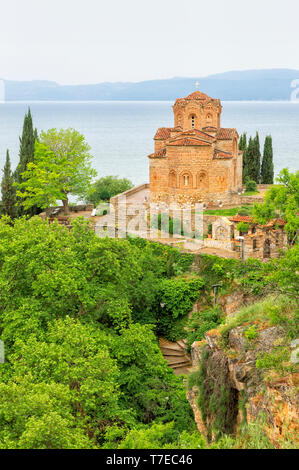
pixel 196 160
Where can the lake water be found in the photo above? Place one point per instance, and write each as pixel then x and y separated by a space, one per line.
pixel 120 133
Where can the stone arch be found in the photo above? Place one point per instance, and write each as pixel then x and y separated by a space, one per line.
pixel 172 179
pixel 179 120
pixel 202 181
pixel 186 179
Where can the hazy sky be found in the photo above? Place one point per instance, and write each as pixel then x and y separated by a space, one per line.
pixel 90 41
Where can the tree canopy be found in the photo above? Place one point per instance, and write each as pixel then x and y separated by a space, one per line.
pixel 62 166
pixel 106 187
pixel 281 201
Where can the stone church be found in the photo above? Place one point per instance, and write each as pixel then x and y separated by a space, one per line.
pixel 197 160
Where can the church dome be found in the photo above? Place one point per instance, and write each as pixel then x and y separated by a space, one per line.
pixel 197 95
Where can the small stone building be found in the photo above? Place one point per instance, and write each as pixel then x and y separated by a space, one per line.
pixel 196 160
pixel 261 241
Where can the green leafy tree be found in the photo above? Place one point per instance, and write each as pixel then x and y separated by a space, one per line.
pixel 243 227
pixel 107 187
pixel 281 201
pixel 267 169
pixel 62 166
pixel 8 190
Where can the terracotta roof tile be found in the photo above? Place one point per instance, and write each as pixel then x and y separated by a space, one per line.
pixel 241 218
pixel 198 95
pixel 158 153
pixel 163 133
pixel 225 134
pixel 274 222
pixel 222 154
pixel 247 218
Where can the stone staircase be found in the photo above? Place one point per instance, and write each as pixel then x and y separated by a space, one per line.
pixel 176 355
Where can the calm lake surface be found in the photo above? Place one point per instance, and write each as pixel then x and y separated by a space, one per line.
pixel 120 133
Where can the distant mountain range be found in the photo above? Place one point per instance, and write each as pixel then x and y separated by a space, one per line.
pixel 260 85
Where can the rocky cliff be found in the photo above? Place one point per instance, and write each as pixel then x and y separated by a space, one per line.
pixel 246 371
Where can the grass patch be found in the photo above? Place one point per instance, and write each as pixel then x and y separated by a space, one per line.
pixel 271 311
pixel 230 212
pixel 250 193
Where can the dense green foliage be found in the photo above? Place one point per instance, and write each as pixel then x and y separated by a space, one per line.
pixel 62 166
pixel 106 187
pixel 282 201
pixel 251 186
pixel 253 168
pixel 80 371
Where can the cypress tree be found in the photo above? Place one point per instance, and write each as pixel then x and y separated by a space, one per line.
pixel 26 155
pixel 27 143
pixel 243 148
pixel 257 158
pixel 8 190
pixel 250 160
pixel 267 171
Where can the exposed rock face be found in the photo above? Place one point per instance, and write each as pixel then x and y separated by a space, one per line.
pixel 274 396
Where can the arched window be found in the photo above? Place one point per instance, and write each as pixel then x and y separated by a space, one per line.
pixel 254 244
pixel 193 121
pixel 172 179
pixel 186 180
pixel 202 181
pixel 209 119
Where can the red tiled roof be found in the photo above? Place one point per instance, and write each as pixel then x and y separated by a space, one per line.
pixel 197 95
pixel 180 141
pixel 274 222
pixel 163 133
pixel 241 218
pixel 225 134
pixel 247 218
pixel 221 154
pixel 158 153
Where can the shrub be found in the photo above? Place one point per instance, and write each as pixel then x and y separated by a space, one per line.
pixel 251 186
pixel 243 227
